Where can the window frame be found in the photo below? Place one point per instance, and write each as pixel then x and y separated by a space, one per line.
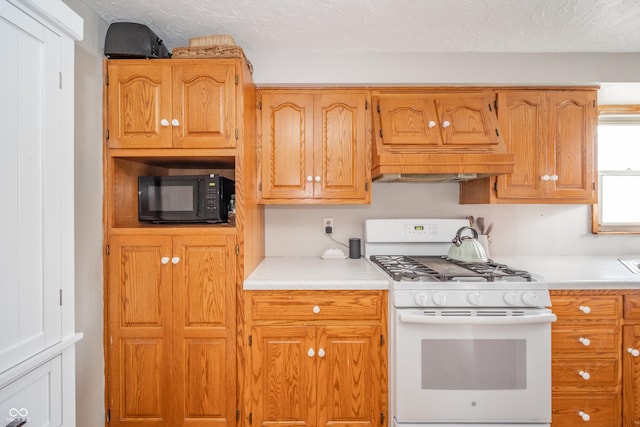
pixel 596 227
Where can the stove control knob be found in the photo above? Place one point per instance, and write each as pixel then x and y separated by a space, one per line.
pixel 529 298
pixel 421 299
pixel 439 299
pixel 510 298
pixel 474 298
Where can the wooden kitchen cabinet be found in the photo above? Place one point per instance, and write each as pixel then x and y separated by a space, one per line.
pixel 586 368
pixel 171 344
pixel 324 365
pixel 314 146
pixel 631 361
pixel 431 132
pixel 436 121
pixel 171 103
pixel 552 134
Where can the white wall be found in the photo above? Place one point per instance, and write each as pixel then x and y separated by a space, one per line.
pixel 518 229
pixel 88 214
pixel 291 230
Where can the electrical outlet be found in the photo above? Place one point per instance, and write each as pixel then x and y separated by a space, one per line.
pixel 327 225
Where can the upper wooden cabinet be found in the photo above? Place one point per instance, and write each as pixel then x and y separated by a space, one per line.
pixel 438 121
pixel 552 135
pixel 430 132
pixel 171 104
pixel 314 146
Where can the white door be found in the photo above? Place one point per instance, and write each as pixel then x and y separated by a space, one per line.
pixel 30 190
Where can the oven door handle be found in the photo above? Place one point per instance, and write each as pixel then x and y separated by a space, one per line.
pixel 479 320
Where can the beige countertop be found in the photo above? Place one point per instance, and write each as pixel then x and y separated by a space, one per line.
pixel 314 273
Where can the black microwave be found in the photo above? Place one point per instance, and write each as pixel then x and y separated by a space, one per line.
pixel 184 198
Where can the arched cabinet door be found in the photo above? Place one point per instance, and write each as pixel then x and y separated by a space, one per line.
pixel 171 104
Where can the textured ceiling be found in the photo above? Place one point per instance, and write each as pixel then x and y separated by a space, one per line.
pixel 391 25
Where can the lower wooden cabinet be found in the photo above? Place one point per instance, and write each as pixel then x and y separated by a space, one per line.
pixel 586 371
pixel 171 330
pixel 327 366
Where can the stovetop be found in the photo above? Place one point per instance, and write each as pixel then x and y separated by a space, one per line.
pixel 403 268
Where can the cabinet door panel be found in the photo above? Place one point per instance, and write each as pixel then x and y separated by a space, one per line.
pixel 467 120
pixel 340 146
pixel 203 102
pixel 349 377
pixel 283 376
pixel 409 120
pixel 631 377
pixel 139 352
pixel 139 98
pixel 521 118
pixel 574 116
pixel 287 146
pixel 204 330
pixel 32 170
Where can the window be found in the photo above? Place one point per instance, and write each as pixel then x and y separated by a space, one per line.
pixel 618 208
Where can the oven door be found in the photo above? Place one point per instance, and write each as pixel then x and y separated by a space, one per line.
pixel 465 366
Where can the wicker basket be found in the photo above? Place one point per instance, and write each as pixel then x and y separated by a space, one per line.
pixel 212 40
pixel 203 52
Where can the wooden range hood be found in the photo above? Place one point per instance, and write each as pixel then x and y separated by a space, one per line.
pixel 437 136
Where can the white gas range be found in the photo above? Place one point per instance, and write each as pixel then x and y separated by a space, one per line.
pixel 470 343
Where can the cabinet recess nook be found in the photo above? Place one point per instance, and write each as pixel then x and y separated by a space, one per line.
pixel 552 133
pixel 171 290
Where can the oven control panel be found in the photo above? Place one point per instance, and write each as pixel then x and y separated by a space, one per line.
pixel 472 298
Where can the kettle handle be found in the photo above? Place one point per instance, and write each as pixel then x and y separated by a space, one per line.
pixel 458 239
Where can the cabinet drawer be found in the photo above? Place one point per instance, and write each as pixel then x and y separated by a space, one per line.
pixel 298 305
pixel 598 410
pixel 585 374
pixel 595 341
pixel 632 307
pixel 578 308
pixel 35 396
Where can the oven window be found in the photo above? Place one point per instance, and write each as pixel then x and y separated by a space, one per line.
pixel 474 364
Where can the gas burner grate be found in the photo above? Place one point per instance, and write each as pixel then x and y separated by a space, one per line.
pixel 442 268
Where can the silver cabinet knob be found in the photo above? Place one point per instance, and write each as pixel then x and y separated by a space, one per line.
pixel 164 122
pixel 432 124
pixel 321 352
pixel 311 353
pixel 585 375
pixel 175 260
pixel 585 309
pixel 446 124
pixel 164 260
pixel 553 177
pixel 633 351
pixel 316 309
pixel 317 179
pixel 309 178
pixel 545 177
pixel 175 122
